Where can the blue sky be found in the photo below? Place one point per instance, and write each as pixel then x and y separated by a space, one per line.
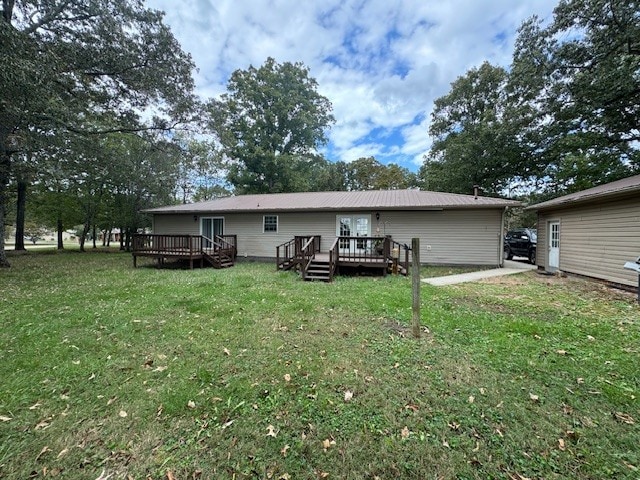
pixel 381 63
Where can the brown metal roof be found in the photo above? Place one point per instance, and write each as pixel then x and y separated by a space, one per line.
pixel 620 187
pixel 306 201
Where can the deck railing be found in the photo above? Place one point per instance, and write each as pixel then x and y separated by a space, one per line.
pixel 167 244
pixel 307 254
pixel 228 242
pixel 289 254
pixel 399 248
pixel 363 249
pixel 334 255
pixel 286 255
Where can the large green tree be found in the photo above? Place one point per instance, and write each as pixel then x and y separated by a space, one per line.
pixel 270 118
pixel 473 143
pixel 579 78
pixel 369 174
pixel 85 68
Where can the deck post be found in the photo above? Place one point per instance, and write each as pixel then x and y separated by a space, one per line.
pixel 415 275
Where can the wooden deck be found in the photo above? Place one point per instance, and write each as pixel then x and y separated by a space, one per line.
pixel 219 252
pixel 381 253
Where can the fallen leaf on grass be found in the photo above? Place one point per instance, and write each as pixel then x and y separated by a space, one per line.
pixel 4 418
pixel 561 352
pixel 104 476
pixel 624 418
pixel 326 444
pixel 404 433
pixel 35 405
pixel 471 399
pixel 534 398
pixel 561 444
pixel 413 408
pixel 160 369
pixel 63 452
pixel 287 377
pixel 191 404
pixel 284 449
pixel 348 395
pixel 44 450
pixel 44 424
pixel 226 351
pixel 271 431
pixel 122 414
pixel 170 475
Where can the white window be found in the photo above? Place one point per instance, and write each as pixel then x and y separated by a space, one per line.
pixel 270 224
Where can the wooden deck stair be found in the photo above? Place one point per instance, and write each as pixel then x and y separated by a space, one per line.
pixel 319 269
pixel 218 259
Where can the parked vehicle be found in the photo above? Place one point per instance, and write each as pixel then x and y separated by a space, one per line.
pixel 521 242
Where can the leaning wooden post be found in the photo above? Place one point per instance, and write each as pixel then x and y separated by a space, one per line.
pixel 415 275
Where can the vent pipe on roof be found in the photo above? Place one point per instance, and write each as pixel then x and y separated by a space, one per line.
pixel 476 189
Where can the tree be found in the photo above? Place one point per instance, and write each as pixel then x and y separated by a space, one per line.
pixel 579 78
pixel 202 170
pixel 369 174
pixel 84 67
pixel 269 117
pixel 472 141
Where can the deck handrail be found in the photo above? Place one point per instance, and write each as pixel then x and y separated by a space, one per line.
pixel 334 255
pixel 288 253
pixel 151 242
pixel 229 243
pixel 362 248
pixel 307 253
pixel 400 246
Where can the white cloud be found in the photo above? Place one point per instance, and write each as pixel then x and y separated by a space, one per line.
pixel 381 63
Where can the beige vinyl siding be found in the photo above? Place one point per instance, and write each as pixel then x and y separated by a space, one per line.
pixel 456 237
pixel 464 237
pixel 596 240
pixel 541 247
pixel 176 225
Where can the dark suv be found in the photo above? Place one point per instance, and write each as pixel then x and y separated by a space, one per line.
pixel 521 242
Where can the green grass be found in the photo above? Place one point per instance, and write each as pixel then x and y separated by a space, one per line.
pixel 242 373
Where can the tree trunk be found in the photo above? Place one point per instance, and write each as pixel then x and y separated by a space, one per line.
pixel 85 231
pixel 93 234
pixel 109 236
pixel 128 240
pixel 20 210
pixel 5 167
pixel 59 227
pixel 121 238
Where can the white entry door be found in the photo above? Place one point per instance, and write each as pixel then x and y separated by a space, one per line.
pixel 554 245
pixel 353 226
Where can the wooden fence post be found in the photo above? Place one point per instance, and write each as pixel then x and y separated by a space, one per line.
pixel 415 275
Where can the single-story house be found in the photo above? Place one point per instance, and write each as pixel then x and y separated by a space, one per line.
pixel 453 228
pixel 592 232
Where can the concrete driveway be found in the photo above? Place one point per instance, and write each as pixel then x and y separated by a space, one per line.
pixel 510 267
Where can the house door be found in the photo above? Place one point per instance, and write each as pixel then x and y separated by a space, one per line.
pixel 554 245
pixel 353 226
pixel 210 227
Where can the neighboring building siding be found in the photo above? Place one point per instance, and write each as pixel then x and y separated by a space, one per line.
pixel 596 240
pixel 454 236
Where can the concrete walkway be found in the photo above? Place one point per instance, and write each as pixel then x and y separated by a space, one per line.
pixel 510 267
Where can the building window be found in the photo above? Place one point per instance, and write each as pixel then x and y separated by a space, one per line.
pixel 270 224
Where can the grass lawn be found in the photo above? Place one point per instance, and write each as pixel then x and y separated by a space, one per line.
pixel 249 373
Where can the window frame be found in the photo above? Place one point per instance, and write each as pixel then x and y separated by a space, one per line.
pixel 264 223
